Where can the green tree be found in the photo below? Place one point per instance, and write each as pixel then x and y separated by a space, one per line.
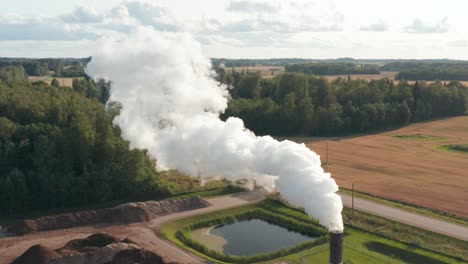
pixel 55 83
pixel 404 113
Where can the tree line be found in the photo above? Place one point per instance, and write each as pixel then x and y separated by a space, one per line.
pixel 58 148
pixel 333 68
pixel 303 104
pixel 433 73
pixel 61 67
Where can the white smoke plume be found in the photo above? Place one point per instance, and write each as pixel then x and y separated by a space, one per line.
pixel 171 106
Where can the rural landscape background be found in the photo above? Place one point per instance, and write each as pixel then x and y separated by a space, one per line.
pixel 391 130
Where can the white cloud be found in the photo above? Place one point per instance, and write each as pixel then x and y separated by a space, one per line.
pixel 419 26
pixel 379 26
pixel 150 13
pixel 252 6
pixel 459 43
pixel 22 28
pixel 83 14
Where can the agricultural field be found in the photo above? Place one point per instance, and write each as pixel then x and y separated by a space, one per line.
pixel 272 71
pixel 265 71
pixel 48 79
pixel 409 164
pixel 389 74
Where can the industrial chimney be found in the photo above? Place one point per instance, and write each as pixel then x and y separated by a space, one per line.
pixel 336 247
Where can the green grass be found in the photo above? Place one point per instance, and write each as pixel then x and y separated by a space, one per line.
pixel 355 250
pixel 408 235
pixel 364 228
pixel 409 207
pixel 463 148
pixel 419 137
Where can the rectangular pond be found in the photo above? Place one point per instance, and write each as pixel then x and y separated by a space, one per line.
pixel 249 238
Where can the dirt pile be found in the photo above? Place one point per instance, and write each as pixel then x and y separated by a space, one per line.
pixel 140 256
pixel 38 254
pixel 122 214
pixel 95 249
pixel 89 244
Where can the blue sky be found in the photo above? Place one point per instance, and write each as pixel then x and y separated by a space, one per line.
pixel 244 28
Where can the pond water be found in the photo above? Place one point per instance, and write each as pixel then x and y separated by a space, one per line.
pixel 255 236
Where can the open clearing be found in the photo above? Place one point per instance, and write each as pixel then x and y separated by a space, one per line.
pixel 385 74
pixel 414 171
pixel 265 71
pixel 272 71
pixel 48 79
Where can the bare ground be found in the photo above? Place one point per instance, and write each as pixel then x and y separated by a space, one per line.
pixel 406 170
pixel 48 79
pixel 145 234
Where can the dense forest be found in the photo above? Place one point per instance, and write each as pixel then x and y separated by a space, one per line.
pixel 333 68
pixel 302 104
pixel 435 72
pixel 58 147
pixel 66 67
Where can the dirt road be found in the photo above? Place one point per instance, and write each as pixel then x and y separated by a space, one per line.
pixel 435 225
pixel 144 234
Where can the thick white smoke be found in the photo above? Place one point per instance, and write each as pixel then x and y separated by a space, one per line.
pixel 171 106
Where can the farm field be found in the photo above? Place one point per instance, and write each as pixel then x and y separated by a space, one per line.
pixel 265 71
pixel 272 71
pixel 48 79
pixel 408 168
pixel 388 74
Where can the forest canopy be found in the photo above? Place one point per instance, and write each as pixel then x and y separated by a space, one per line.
pixel 58 148
pixel 303 104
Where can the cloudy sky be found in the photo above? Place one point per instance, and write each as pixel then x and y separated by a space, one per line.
pixel 244 28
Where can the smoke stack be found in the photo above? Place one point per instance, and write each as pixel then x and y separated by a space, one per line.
pixel 336 247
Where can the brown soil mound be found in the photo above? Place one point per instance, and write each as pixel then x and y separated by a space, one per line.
pixel 96 249
pixel 88 244
pixel 37 254
pixel 140 256
pixel 125 213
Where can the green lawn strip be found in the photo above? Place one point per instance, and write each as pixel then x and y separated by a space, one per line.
pixel 409 207
pixel 429 243
pixel 353 251
pixel 279 207
pixel 419 137
pixel 462 148
pixel 364 228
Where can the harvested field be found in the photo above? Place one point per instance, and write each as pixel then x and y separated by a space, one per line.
pixel 414 171
pixel 265 71
pixel 385 74
pixel 272 71
pixel 48 79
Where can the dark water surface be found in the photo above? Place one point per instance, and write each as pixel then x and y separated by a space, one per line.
pixel 253 237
